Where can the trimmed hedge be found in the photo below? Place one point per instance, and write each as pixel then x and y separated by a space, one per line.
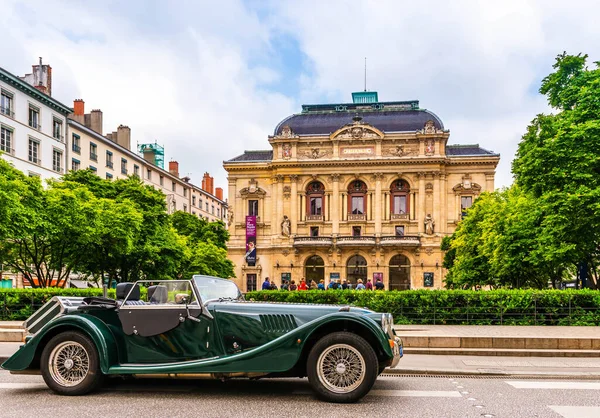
pixel 456 307
pixel 461 307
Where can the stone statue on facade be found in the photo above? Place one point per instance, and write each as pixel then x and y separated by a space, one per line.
pixel 429 225
pixel 286 226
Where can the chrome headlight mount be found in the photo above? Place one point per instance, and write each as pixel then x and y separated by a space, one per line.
pixel 387 321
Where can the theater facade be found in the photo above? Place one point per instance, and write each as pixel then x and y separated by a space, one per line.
pixel 350 191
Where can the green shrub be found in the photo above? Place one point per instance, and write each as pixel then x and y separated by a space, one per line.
pixel 461 307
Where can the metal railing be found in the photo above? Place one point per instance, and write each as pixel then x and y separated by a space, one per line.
pixel 314 217
pixel 76 148
pixel 402 239
pixel 357 217
pixel 109 164
pixel 7 112
pixel 366 239
pixel 324 240
pixel 93 157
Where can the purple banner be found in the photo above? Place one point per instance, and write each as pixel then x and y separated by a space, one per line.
pixel 251 240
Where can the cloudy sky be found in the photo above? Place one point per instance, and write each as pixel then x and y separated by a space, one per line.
pixel 208 79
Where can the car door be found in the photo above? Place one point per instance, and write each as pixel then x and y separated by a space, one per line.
pixel 166 324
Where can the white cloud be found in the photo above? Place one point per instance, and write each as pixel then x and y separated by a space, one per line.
pixel 193 77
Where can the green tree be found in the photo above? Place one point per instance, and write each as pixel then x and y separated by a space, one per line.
pixel 200 230
pixel 558 162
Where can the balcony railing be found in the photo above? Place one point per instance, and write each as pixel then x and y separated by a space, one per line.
pixel 312 241
pixel 400 240
pixel 314 217
pixel 109 164
pixel 59 138
pixel 93 157
pixel 35 125
pixel 357 217
pixel 7 112
pixel 399 216
pixel 34 160
pixel 123 170
pixel 356 240
pixel 76 148
pixel 9 151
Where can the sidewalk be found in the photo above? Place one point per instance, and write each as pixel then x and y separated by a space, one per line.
pixel 497 366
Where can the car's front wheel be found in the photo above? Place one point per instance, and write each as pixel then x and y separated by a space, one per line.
pixel 342 367
pixel 70 364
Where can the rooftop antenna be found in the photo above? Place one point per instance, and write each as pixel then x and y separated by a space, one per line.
pixel 365 73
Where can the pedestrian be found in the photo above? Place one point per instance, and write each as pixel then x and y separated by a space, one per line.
pixel 321 285
pixel 330 285
pixel 302 285
pixel 369 285
pixel 266 284
pixel 285 285
pixel 379 285
pixel 345 285
pixel 293 285
pixel 273 285
pixel 360 285
pixel 313 285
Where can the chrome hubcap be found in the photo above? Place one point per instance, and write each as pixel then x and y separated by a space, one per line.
pixel 69 363
pixel 341 368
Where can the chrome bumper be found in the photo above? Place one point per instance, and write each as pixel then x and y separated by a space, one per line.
pixel 397 352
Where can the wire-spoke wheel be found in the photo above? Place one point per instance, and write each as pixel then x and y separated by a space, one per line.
pixel 342 367
pixel 70 364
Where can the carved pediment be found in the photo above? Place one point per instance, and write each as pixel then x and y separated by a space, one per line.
pixel 314 153
pixel 286 132
pixel 357 130
pixel 467 187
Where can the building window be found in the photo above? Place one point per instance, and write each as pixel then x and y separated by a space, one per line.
pixel 200 203
pixel 212 209
pixel 6 140
pixel 57 130
pixel 184 192
pixel 76 146
pixel 94 169
pixel 193 200
pixel 34 151
pixel 357 191
pixel 314 231
pixel 57 160
pixel 250 282
pixel 356 231
pixel 465 203
pixel 75 164
pixel 34 117
pixel 109 176
pixel 123 166
pixel 218 212
pixel 6 104
pixel 193 212
pixel 184 207
pixel 174 186
pixel 162 180
pixel 399 192
pixel 314 193
pixel 207 207
pixel 136 170
pixel 93 152
pixel 148 174
pixel 252 207
pixel 399 231
pixel 33 174
pixel 109 159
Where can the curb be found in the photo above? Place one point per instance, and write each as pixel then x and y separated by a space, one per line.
pixel 491 373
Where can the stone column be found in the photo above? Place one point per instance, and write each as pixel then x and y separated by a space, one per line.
pixel 489 182
pixel 294 203
pixel 420 212
pixel 378 203
pixel 279 205
pixel 443 228
pixel 344 207
pixel 275 196
pixel 368 215
pixel 437 204
pixel 335 215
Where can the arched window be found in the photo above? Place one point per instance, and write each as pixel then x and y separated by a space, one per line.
pixel 400 202
pixel 314 269
pixel 314 200
pixel 357 198
pixel 356 268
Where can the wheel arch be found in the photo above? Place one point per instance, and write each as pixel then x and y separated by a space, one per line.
pixel 344 324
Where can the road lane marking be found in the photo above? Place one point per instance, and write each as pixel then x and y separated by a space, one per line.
pixel 523 384
pixel 576 411
pixel 417 393
pixel 23 386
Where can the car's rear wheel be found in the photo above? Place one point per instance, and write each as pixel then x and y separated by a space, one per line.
pixel 342 367
pixel 70 364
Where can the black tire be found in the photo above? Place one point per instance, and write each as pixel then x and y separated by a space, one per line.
pixel 70 364
pixel 362 373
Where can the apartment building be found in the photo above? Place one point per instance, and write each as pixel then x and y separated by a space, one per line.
pixel 111 157
pixel 32 123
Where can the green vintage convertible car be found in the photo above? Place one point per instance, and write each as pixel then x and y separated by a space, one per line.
pixel 203 328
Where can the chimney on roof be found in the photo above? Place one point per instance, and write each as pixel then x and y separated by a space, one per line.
pixel 40 78
pixel 219 193
pixel 207 183
pixel 124 137
pixel 78 107
pixel 174 168
pixel 95 121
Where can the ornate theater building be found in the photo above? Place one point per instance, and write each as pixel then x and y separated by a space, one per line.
pixel 362 190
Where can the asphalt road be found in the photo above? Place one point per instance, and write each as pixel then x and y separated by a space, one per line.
pixel 399 396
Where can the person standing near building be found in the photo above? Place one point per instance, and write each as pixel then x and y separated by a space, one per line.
pixel 321 285
pixel 369 285
pixel 266 284
pixel 360 285
pixel 379 285
pixel 302 285
pixel 293 285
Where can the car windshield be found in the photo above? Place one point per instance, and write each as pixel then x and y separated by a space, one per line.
pixel 215 288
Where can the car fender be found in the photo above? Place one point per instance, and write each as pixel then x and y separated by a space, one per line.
pixel 93 327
